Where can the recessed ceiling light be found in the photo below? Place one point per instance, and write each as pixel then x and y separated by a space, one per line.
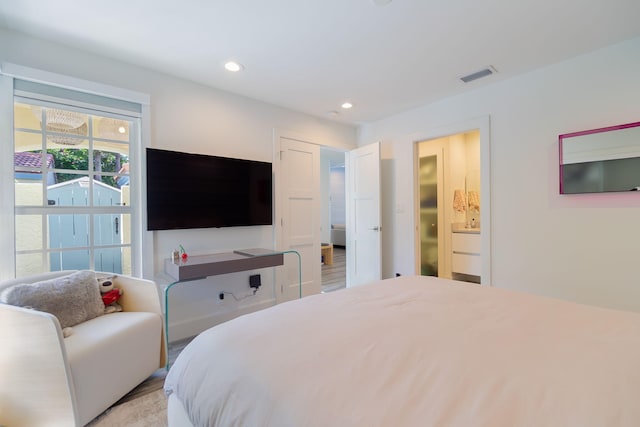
pixel 347 105
pixel 122 129
pixel 233 66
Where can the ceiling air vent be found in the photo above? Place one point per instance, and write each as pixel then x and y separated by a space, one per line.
pixel 478 74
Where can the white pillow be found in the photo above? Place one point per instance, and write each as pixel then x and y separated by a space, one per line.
pixel 72 299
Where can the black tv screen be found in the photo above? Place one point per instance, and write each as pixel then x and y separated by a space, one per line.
pixel 187 190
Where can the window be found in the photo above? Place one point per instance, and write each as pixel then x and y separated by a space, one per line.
pixel 75 155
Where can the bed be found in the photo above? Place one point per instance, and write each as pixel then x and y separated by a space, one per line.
pixel 413 351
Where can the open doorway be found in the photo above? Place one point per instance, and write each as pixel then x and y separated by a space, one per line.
pixel 334 242
pixel 452 202
pixel 449 206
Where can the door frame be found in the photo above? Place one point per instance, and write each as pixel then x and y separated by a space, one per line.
pixel 483 125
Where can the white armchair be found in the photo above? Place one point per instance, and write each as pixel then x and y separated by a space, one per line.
pixel 46 379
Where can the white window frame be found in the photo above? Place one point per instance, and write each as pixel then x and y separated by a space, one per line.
pixel 141 241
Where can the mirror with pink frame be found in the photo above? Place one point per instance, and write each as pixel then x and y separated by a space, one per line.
pixel 600 160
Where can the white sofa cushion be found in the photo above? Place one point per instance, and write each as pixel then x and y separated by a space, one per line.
pixel 94 346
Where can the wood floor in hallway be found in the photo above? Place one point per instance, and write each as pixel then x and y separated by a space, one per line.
pixel 334 276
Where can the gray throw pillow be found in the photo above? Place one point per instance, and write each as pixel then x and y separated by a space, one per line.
pixel 72 299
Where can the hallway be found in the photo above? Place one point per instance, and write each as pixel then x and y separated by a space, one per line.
pixel 334 275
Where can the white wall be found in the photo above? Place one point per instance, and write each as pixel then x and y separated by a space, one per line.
pixel 338 183
pixel 325 191
pixel 579 247
pixel 190 117
pixel 333 191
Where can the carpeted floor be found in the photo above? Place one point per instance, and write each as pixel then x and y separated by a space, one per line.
pixel 145 405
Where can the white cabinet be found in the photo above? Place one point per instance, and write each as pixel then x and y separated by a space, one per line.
pixel 466 257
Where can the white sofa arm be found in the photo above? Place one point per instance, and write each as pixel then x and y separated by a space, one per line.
pixel 141 295
pixel 35 378
pixel 138 294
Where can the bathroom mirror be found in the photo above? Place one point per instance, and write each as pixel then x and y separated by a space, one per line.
pixel 600 160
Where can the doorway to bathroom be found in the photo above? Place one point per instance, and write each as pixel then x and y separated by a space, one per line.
pixel 452 189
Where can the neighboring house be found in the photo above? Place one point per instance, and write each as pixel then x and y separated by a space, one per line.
pixel 26 160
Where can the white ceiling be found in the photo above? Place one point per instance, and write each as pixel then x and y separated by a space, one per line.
pixel 311 55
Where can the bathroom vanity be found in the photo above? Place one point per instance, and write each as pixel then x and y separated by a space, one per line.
pixel 466 260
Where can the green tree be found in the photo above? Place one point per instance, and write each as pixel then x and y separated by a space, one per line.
pixel 78 160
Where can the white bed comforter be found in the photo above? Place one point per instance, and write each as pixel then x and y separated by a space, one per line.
pixel 415 351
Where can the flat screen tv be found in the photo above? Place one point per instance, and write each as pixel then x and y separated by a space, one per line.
pixel 187 190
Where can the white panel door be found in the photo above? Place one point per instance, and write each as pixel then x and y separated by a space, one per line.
pixel 299 187
pixel 363 215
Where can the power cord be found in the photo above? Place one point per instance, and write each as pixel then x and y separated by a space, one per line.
pixel 255 290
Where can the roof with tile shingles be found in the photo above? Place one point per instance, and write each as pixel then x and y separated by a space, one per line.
pixel 32 160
